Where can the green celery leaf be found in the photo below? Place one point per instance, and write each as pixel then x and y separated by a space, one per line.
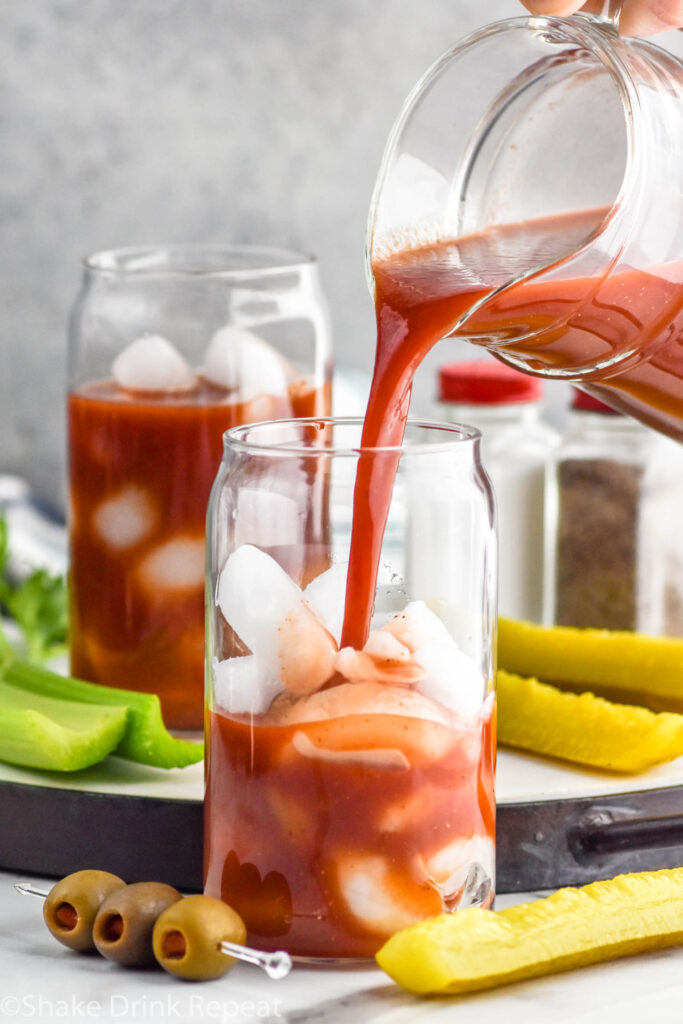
pixel 40 607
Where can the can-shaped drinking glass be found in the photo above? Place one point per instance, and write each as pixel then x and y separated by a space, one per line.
pixel 349 792
pixel 169 348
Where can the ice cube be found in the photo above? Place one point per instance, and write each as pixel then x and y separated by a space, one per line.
pixel 476 890
pixel 256 595
pixel 382 757
pixel 367 716
pixel 239 360
pixel 176 565
pixel 363 667
pixel 244 685
pixel 416 625
pixel 326 595
pixel 452 678
pixel 151 363
pixel 383 647
pixel 462 872
pixel 125 519
pixel 270 615
pixel 305 650
pixel 458 853
pixel 295 817
pixel 383 898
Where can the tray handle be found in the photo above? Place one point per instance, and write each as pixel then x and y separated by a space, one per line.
pixel 600 834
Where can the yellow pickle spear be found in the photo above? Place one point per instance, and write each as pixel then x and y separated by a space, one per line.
pixel 584 728
pixel 628 667
pixel 476 949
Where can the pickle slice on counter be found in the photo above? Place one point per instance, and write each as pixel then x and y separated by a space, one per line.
pixel 478 949
pixel 57 735
pixel 623 666
pixel 584 728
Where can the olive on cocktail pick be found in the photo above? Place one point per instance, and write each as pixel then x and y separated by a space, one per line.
pixel 72 904
pixel 122 931
pixel 187 938
pixel 201 938
pixel 202 941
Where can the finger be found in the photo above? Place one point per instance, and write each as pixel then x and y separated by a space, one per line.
pixel 559 8
pixel 647 17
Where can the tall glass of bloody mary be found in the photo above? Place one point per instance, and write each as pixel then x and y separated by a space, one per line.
pixel 169 348
pixel 349 781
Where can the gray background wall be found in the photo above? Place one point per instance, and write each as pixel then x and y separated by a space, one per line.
pixel 133 121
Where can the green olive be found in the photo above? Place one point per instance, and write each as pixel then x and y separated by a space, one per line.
pixel 71 905
pixel 188 935
pixel 123 927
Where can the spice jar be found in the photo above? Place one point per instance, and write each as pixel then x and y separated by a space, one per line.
pixel 615 555
pixel 505 405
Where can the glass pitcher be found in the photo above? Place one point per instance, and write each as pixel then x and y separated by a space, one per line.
pixel 170 347
pixel 529 200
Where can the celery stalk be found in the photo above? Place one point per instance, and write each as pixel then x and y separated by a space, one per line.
pixel 56 735
pixel 145 738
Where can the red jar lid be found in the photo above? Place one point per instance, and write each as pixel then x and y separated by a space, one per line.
pixel 487 382
pixel 587 403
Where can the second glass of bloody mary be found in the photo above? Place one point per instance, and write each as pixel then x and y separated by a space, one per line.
pixel 170 347
pixel 350 754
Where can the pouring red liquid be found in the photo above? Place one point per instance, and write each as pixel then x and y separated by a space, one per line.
pixel 621 336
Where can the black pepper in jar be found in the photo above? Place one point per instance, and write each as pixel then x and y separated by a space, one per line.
pixel 599 576
pixel 597 543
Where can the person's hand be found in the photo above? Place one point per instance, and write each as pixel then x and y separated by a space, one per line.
pixel 638 17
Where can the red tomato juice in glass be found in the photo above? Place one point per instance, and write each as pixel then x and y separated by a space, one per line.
pixel 141 468
pixel 353 852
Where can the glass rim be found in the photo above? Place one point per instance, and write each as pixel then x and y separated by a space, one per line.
pixel 190 259
pixel 458 434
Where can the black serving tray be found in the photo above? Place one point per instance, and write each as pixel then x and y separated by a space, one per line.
pixel 556 825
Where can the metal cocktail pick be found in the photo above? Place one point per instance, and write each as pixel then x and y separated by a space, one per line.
pixel 276 965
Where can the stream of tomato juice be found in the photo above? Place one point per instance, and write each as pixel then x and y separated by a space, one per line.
pixel 619 335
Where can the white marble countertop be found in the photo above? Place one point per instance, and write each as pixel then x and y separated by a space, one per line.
pixel 41 980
